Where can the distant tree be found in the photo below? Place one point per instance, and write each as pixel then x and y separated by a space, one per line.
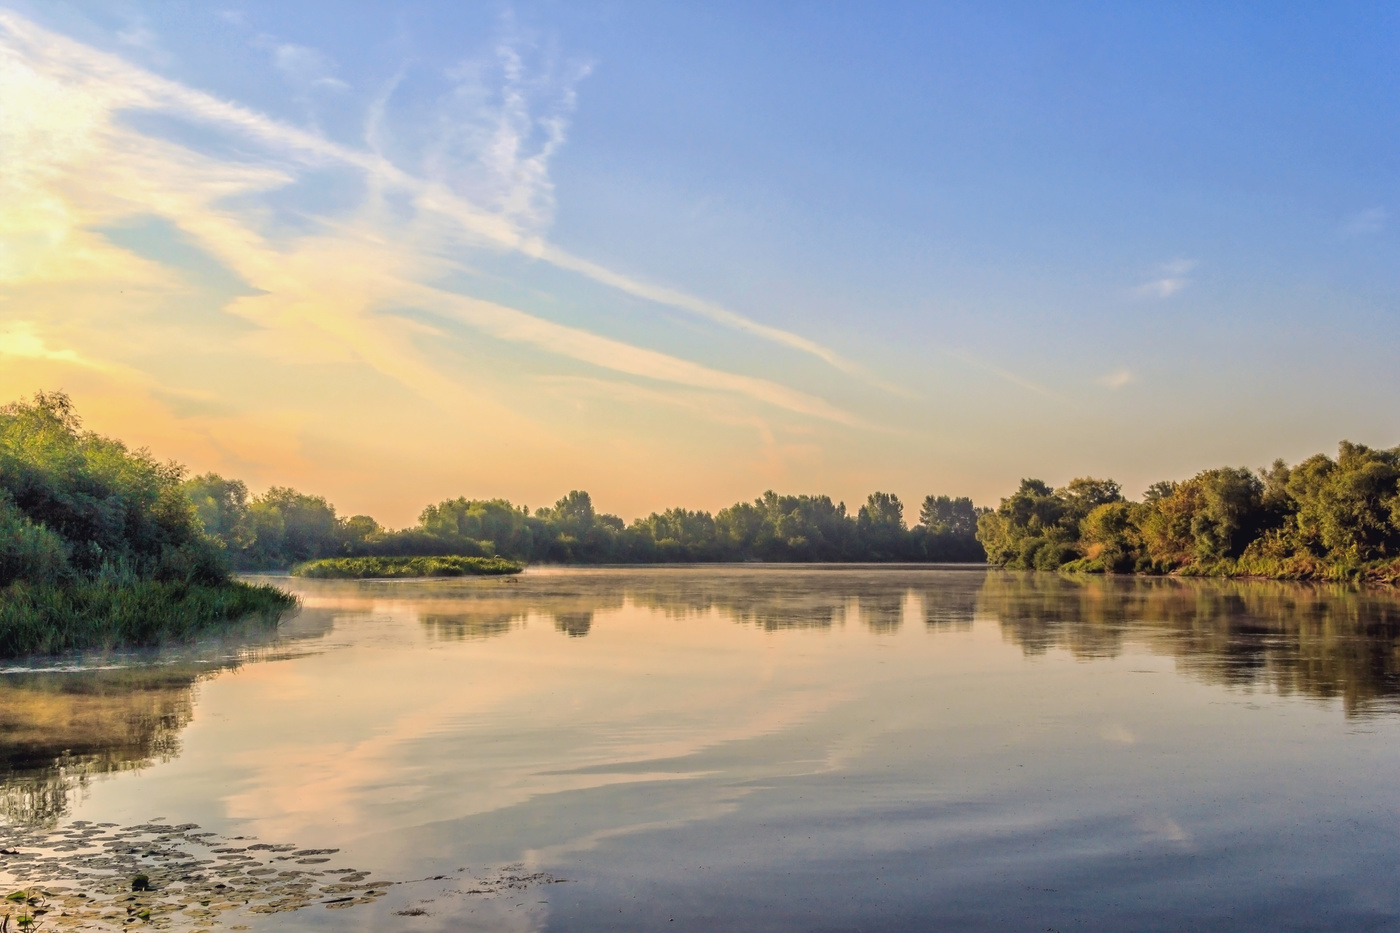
pixel 948 530
pixel 1033 528
pixel 356 533
pixel 573 513
pixel 310 529
pixel 944 515
pixel 1086 493
pixel 1349 509
pixel 222 507
pixel 881 528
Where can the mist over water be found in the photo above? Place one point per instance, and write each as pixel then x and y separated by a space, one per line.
pixel 759 747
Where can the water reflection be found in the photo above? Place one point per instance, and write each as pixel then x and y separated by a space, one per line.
pixel 464 626
pixel 574 624
pixel 1321 641
pixel 58 730
pixel 61 727
pixel 1324 642
pixel 771 598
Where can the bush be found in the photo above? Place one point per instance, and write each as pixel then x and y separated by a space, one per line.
pixel 1052 556
pixel 29 551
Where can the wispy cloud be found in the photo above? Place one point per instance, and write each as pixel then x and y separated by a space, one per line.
pixel 1117 379
pixel 21 339
pixel 74 166
pixel 1006 374
pixel 510 324
pixel 1173 279
pixel 111 85
pixel 502 122
pixel 1362 223
pixel 304 68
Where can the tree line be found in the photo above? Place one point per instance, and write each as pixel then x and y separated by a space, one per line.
pixel 76 506
pixel 1324 518
pixel 283 527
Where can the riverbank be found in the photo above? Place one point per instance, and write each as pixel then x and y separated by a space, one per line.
pixel 1297 568
pixel 50 619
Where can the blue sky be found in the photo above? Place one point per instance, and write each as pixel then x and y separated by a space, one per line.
pixel 678 254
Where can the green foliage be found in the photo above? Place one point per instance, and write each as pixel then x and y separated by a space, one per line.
pixel 1036 527
pixel 359 568
pixel 1323 519
pixel 950 530
pixel 1109 537
pixel 117 512
pixel 770 528
pixel 84 614
pixel 102 546
pixel 29 551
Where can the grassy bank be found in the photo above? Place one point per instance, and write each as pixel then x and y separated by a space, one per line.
pixel 47 619
pixel 360 568
pixel 1302 568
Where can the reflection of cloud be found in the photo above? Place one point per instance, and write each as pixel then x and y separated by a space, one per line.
pixel 1371 220
pixel 1173 280
pixel 1117 379
pixel 289 785
pixel 1164 828
pixel 1118 733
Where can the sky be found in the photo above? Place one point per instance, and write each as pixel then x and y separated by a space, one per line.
pixel 678 254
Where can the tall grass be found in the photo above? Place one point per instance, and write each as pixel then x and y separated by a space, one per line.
pixel 47 619
pixel 359 568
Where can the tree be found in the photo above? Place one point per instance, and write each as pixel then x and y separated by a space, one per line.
pixel 222 507
pixel 1085 494
pixel 944 515
pixel 117 512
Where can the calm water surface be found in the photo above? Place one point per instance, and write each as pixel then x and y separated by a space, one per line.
pixel 757 748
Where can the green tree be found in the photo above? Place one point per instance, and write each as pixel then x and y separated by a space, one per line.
pixel 222 508
pixel 944 515
pixel 117 511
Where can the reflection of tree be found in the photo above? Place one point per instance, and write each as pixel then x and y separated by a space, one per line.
pixel 495 607
pixel 1315 640
pixel 57 730
pixel 467 625
pixel 883 612
pixel 573 624
pixel 791 598
pixel 951 606
pixel 60 729
pixel 773 599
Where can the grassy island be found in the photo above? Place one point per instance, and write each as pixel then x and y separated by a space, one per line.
pixel 100 547
pixel 364 568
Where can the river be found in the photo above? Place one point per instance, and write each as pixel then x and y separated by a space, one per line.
pixel 728 747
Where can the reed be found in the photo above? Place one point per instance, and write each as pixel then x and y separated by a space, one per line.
pixel 48 619
pixel 360 568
